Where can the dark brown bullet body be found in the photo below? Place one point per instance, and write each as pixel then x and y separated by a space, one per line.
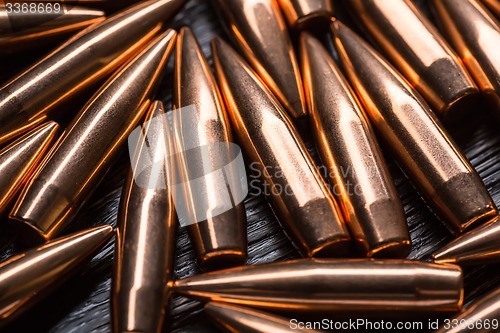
pixel 90 144
pixel 493 6
pixel 19 160
pixel 260 32
pixel 299 196
pixel 301 14
pixel 144 251
pixel 474 34
pixel 482 317
pixel 333 285
pixel 478 246
pixel 220 241
pixel 418 51
pixel 22 31
pixel 422 147
pixel 27 277
pixel 82 61
pixel 356 167
pixel 238 319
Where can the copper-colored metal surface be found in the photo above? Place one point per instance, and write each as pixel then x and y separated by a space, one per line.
pixel 238 319
pixel 493 6
pixel 482 317
pixel 331 285
pixel 418 51
pixel 144 251
pixel 473 31
pixel 260 32
pixel 83 60
pixel 306 13
pixel 27 277
pixel 19 160
pixel 90 144
pixel 105 4
pixel 221 240
pixel 22 31
pixel 347 145
pixel 299 196
pixel 478 246
pixel 422 147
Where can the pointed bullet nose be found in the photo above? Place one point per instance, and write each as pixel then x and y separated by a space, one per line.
pixel 91 143
pixel 19 160
pixel 345 141
pixel 82 61
pixel 233 318
pixel 478 246
pixel 260 32
pixel 218 230
pixel 423 148
pixel 24 278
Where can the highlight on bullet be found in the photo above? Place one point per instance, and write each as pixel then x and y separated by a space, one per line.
pixel 19 160
pixel 214 212
pixel 494 7
pixel 419 52
pixel 422 147
pixel 478 246
pixel 90 144
pixel 233 318
pixel 303 14
pixel 483 316
pixel 27 277
pixel 146 236
pixel 22 31
pixel 348 148
pixel 472 31
pixel 333 285
pixel 79 63
pixel 260 32
pixel 300 198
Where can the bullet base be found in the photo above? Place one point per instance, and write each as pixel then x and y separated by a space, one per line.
pixel 29 234
pixel 462 107
pixel 336 248
pixel 397 249
pixel 222 259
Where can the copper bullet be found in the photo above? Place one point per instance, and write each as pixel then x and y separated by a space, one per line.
pixel 422 147
pixel 472 31
pixel 418 51
pixel 22 31
pixel 19 160
pixel 299 196
pixel 144 251
pixel 238 319
pixel 347 145
pixel 260 32
pixel 83 60
pixel 478 246
pixel 90 144
pixel 493 6
pixel 301 14
pixel 203 140
pixel 483 316
pixel 29 276
pixel 331 285
pixel 105 4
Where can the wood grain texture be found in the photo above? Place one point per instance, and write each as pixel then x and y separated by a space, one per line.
pixel 81 305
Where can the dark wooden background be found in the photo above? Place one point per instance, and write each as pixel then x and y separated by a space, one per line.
pixel 82 303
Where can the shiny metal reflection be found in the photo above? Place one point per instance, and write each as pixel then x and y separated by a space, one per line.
pixel 301 14
pixel 422 147
pixel 347 145
pixel 90 144
pixel 333 285
pixel 418 51
pixel 260 32
pixel 85 59
pixel 221 240
pixel 300 197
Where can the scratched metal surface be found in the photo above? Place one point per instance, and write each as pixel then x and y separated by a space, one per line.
pixel 81 304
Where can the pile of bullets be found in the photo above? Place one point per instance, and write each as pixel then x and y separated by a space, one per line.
pixel 396 89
